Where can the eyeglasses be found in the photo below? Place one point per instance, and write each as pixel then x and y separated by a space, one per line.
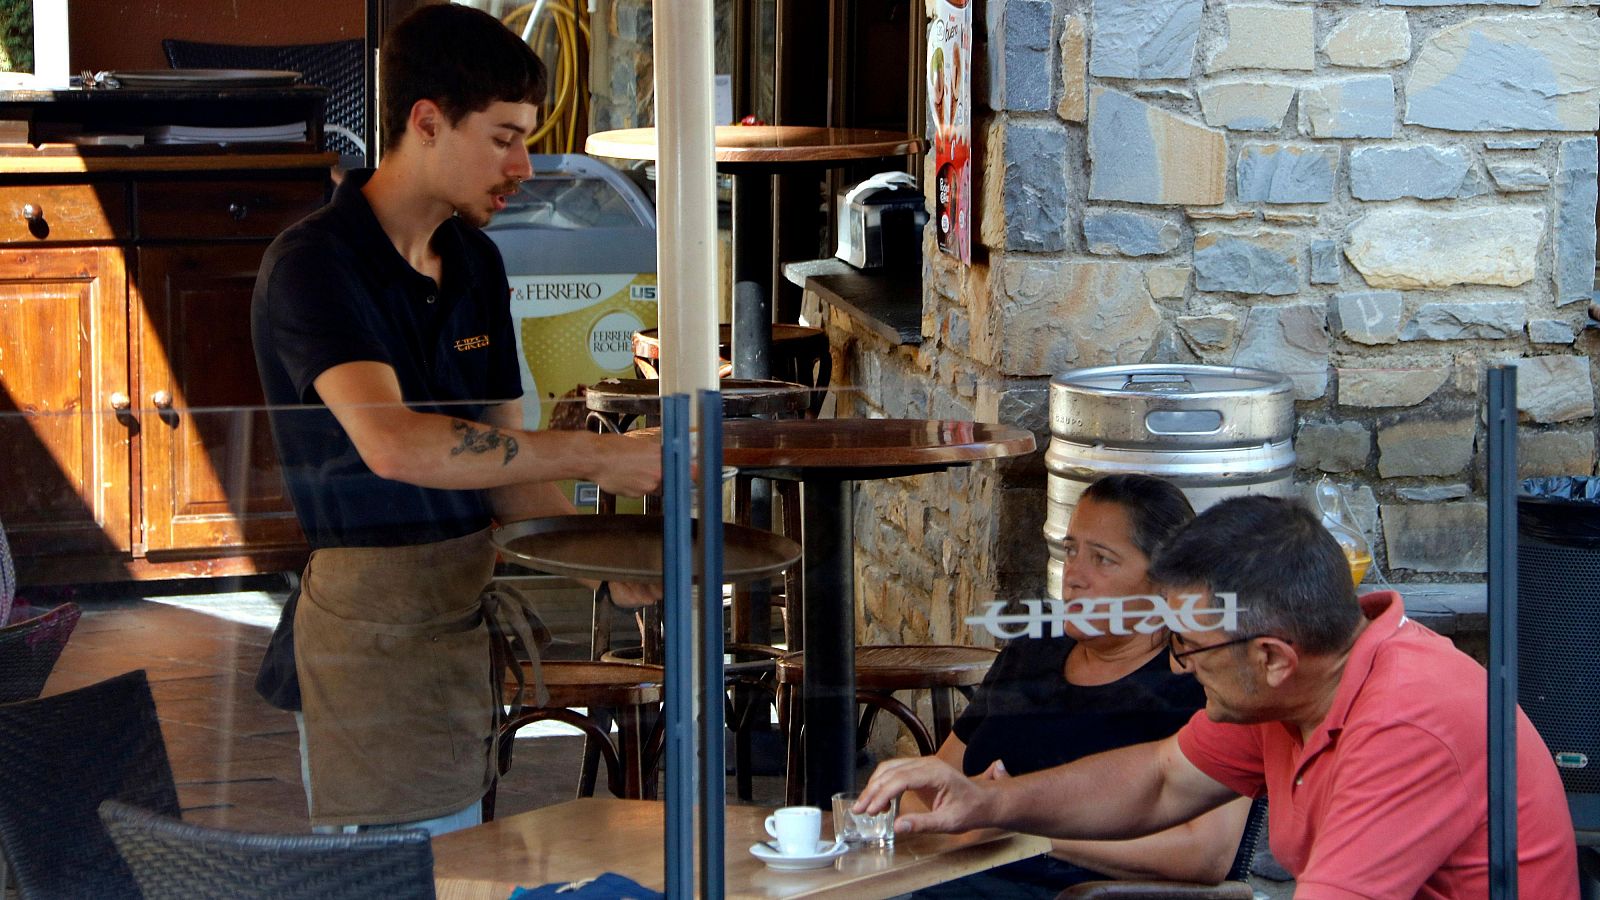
pixel 1179 656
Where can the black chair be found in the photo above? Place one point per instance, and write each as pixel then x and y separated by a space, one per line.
pixel 29 650
pixel 335 65
pixel 8 578
pixel 60 757
pixel 1234 887
pixel 172 860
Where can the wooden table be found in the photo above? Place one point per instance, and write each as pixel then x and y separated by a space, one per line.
pixel 827 457
pixel 583 838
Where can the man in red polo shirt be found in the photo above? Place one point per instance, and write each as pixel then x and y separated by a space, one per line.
pixel 1367 731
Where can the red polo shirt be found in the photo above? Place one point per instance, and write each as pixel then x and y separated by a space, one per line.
pixel 1389 797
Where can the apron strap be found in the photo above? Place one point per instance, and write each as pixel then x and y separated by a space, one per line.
pixel 514 622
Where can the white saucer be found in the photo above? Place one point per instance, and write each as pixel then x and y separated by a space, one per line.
pixel 827 852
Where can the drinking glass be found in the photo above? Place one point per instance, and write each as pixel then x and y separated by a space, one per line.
pixel 864 829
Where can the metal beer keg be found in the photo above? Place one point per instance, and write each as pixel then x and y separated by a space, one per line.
pixel 1213 431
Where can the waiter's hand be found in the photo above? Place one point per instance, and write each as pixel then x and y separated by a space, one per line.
pixel 959 803
pixel 626 467
pixel 629 595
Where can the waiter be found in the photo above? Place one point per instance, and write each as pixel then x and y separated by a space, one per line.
pixel 384 338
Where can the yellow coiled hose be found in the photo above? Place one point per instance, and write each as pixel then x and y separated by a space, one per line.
pixel 564 29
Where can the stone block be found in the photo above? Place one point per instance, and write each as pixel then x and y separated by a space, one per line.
pixel 1266 37
pixel 1246 105
pixel 1324 262
pixel 1286 173
pixel 1541 453
pixel 1554 388
pixel 1493 320
pixel 1434 493
pixel 1368 317
pixel 1413 249
pixel 1508 73
pixel 1219 215
pixel 1018 53
pixel 1550 331
pixel 1388 387
pixel 1425 172
pixel 1518 177
pixel 1143 154
pixel 1144 38
pixel 1373 39
pixel 1042 316
pixel 1209 333
pixel 1436 537
pixel 1260 262
pixel 1424 444
pixel 1576 194
pixel 1361 106
pixel 1332 446
pixel 1123 233
pixel 1513 143
pixel 1288 339
pixel 1035 186
pixel 1167 282
pixel 1074 103
pixel 1172 95
pixel 1285 217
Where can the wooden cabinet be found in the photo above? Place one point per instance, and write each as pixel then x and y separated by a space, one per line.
pixel 133 439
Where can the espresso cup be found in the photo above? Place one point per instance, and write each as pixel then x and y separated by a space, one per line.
pixel 796 829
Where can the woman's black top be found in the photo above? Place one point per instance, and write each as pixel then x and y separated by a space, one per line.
pixel 1027 714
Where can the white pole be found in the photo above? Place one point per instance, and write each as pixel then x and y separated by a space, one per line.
pixel 686 204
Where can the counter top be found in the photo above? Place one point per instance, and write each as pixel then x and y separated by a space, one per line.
pixel 887 301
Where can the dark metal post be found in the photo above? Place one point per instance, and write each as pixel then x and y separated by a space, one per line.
pixel 752 276
pixel 1502 418
pixel 713 738
pixel 677 608
pixel 830 629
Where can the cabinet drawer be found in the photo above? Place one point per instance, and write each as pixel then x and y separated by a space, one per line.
pixel 223 209
pixel 32 214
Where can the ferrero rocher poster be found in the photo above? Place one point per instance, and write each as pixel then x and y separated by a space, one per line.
pixel 950 123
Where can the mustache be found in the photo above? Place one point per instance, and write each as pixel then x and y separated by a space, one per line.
pixel 508 187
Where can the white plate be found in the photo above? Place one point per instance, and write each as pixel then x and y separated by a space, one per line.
pixel 826 853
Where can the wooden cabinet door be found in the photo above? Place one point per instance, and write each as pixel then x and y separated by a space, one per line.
pixel 210 476
pixel 64 451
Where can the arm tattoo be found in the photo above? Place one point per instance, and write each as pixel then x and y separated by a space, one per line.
pixel 479 439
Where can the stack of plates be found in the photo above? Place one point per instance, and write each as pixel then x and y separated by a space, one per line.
pixel 203 79
pixel 196 134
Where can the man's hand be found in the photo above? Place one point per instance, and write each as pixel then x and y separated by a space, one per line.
pixel 959 803
pixel 629 595
pixel 626 467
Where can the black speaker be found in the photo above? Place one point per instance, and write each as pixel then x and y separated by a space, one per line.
pixel 1558 640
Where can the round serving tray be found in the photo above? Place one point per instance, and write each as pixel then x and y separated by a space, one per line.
pixel 628 548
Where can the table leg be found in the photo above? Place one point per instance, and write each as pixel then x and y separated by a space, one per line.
pixel 752 276
pixel 830 637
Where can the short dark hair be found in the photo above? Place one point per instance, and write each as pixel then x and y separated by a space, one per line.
pixel 460 58
pixel 1156 509
pixel 1290 576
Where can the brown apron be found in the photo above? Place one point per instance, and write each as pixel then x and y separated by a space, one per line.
pixel 393 652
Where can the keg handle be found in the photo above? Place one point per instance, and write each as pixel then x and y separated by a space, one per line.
pixel 1164 382
pixel 1183 421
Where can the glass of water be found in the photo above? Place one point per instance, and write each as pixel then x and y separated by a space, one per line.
pixel 863 829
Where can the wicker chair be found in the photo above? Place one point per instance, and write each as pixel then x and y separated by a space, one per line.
pixel 8 578
pixel 29 650
pixel 172 860
pixel 335 65
pixel 63 755
pixel 1235 887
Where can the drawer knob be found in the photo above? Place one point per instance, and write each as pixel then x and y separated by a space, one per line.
pixel 121 402
pixel 161 400
pixel 238 211
pixel 33 212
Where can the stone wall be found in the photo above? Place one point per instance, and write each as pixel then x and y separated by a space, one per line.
pixel 1380 199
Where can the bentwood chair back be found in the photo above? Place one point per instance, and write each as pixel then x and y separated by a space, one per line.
pixel 172 860
pixel 29 650
pixel 1234 887
pixel 62 756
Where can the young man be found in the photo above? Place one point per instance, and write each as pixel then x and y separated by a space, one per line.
pixel 1366 731
pixel 383 334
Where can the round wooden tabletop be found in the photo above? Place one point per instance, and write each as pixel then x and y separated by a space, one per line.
pixel 768 144
pixel 864 443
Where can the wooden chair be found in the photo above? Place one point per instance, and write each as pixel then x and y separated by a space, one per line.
pixel 627 691
pixel 1234 887
pixel 172 860
pixel 799 354
pixel 63 756
pixel 881 671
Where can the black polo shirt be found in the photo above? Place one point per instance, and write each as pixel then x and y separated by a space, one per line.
pixel 333 289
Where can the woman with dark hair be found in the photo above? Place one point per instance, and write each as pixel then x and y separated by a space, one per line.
pixel 1049 701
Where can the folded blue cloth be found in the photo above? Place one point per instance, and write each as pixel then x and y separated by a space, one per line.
pixel 606 886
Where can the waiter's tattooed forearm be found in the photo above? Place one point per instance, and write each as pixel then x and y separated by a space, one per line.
pixel 480 439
